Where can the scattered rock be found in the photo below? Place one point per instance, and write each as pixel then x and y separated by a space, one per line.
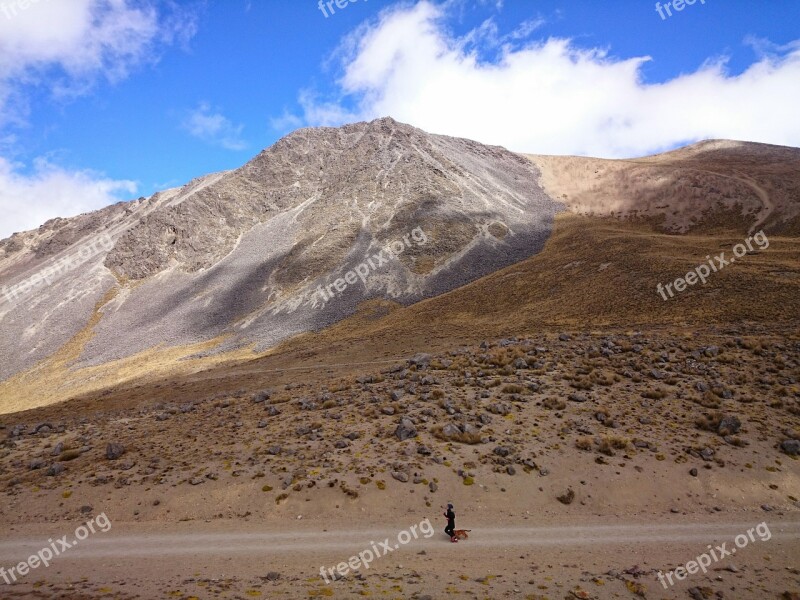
pixel 114 450
pixel 791 447
pixel 261 397
pixel 451 430
pixel 728 425
pixel 701 593
pixel 502 451
pixel 420 360
pixel 55 470
pixel 405 429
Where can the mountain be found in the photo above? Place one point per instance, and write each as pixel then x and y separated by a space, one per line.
pixel 374 239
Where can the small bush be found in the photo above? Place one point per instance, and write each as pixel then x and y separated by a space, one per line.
pixel 605 447
pixel 618 443
pixel 709 422
pixel 582 384
pixel 554 404
pixel 708 400
pixel 69 455
pixel 348 490
pixel 461 437
pixel 656 394
pixel 567 497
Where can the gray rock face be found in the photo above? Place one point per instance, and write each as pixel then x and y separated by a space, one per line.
pixel 292 241
pixel 791 447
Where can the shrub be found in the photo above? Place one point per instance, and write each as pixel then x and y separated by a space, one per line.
pixel 69 455
pixel 554 404
pixel 619 443
pixel 709 421
pixel 348 490
pixel 567 497
pixel 605 447
pixel 461 437
pixel 656 394
pixel 582 384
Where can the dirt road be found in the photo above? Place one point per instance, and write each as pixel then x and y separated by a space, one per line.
pixel 201 560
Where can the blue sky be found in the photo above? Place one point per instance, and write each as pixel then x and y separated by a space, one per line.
pixel 102 100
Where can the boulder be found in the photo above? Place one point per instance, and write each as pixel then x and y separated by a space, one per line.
pixel 405 429
pixel 114 450
pixel 791 447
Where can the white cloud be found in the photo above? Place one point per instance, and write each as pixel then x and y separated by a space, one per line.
pixel 28 200
pixel 550 96
pixel 213 127
pixel 65 47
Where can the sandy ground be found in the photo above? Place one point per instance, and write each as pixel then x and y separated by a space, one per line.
pixel 548 560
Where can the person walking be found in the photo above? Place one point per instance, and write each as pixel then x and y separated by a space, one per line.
pixel 451 523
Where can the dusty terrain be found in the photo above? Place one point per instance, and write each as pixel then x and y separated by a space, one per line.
pixel 574 559
pixel 612 429
pixel 703 187
pixel 589 432
pixel 487 219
